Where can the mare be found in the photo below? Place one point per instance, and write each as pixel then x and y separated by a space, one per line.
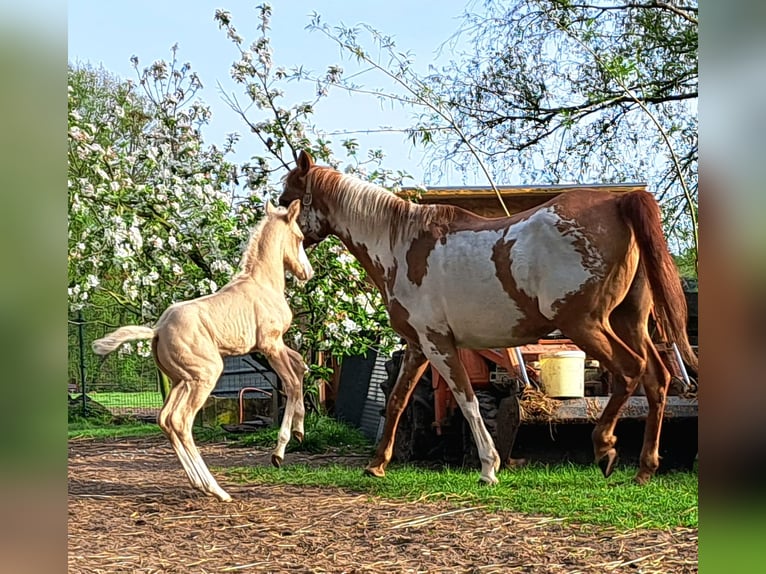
pixel 250 313
pixel 592 264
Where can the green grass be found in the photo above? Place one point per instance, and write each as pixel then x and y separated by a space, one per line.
pixel 148 399
pixel 84 429
pixel 569 492
pixel 322 434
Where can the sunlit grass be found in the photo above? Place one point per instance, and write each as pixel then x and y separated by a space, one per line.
pixel 322 434
pixel 84 429
pixel 569 492
pixel 147 399
pixel 573 493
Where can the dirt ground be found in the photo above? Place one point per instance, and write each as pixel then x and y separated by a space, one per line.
pixel 131 510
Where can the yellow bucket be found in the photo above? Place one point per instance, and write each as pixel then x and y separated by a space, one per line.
pixel 562 374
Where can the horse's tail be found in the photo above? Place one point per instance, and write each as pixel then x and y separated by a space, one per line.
pixel 113 340
pixel 641 211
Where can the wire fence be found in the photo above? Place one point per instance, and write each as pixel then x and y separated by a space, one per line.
pixel 125 383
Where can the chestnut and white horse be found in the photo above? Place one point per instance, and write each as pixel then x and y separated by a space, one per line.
pixel 250 313
pixel 592 264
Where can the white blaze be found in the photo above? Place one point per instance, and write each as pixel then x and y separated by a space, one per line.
pixel 304 261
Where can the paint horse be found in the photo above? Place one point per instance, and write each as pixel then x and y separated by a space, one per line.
pixel 592 264
pixel 250 313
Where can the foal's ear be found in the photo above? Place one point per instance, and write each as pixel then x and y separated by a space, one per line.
pixel 270 209
pixel 293 210
pixel 305 161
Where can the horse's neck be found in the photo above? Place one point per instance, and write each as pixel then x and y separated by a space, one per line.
pixel 264 264
pixel 367 219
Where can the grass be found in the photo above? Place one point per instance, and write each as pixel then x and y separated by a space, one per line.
pixel 567 492
pixel 572 493
pixel 322 434
pixel 87 429
pixel 148 399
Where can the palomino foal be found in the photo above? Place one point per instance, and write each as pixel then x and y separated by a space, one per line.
pixel 589 263
pixel 247 314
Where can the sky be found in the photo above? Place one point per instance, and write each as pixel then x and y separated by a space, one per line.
pixel 108 33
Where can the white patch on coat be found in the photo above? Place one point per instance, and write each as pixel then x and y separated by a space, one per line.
pixel 544 261
pixel 461 289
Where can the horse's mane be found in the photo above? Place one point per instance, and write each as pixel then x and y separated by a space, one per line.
pixel 378 208
pixel 251 253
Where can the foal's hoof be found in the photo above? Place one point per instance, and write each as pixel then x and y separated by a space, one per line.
pixel 276 460
pixel 606 462
pixel 298 435
pixel 484 481
pixel 376 471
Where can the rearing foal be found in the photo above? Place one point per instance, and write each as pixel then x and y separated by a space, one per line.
pixel 592 264
pixel 247 314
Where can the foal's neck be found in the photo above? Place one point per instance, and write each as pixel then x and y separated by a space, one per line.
pixel 264 260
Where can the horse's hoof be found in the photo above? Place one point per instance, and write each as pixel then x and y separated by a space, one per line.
pixel 606 462
pixel 484 481
pixel 376 471
pixel 298 435
pixel 276 460
pixel 642 478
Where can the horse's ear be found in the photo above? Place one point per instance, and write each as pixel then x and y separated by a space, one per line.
pixel 269 208
pixel 293 210
pixel 305 161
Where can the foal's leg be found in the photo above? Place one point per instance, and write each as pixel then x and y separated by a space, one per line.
pixel 184 419
pixel 413 366
pixel 447 361
pixel 299 370
pixel 281 361
pixel 177 417
pixel 174 399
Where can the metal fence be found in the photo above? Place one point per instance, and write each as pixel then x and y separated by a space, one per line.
pixel 127 384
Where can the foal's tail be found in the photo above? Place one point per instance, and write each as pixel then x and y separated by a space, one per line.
pixel 113 340
pixel 641 211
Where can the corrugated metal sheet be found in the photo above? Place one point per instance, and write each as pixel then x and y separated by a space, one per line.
pixel 375 402
pixel 242 372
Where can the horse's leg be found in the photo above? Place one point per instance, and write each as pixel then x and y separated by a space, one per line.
pixel 599 341
pixel 656 383
pixel 445 358
pixel 629 321
pixel 413 366
pixel 281 361
pixel 299 370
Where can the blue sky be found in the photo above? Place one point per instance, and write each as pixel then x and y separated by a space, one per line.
pixel 110 32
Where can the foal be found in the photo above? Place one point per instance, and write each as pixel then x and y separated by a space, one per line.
pixel 249 313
